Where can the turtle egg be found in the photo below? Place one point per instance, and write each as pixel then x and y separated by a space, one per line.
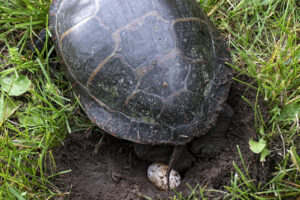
pixel 157 174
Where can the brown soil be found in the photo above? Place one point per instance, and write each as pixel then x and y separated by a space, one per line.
pixel 115 172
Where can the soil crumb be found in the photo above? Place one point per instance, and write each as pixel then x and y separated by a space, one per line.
pixel 116 173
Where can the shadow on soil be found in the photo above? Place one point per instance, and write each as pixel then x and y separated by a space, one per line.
pixel 115 172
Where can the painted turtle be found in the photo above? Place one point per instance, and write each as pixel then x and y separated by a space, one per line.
pixel 148 71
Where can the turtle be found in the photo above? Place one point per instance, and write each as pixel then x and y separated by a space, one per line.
pixel 153 72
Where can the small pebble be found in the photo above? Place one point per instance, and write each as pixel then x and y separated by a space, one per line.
pixel 157 173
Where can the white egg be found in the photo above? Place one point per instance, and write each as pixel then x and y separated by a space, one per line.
pixel 157 174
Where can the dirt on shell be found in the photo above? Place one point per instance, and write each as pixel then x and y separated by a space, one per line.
pixel 116 173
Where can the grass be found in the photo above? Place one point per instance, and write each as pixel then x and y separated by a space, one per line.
pixel 264 40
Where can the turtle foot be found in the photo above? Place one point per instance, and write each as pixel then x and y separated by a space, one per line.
pixel 211 144
pixel 207 147
pixel 163 153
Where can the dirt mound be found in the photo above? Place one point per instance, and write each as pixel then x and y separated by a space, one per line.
pixel 116 173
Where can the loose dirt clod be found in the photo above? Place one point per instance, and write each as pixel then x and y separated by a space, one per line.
pixel 113 174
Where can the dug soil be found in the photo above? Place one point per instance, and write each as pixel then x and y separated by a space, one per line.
pixel 116 173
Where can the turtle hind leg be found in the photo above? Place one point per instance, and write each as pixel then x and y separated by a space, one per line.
pixel 174 157
pixel 164 153
pixel 153 153
pixel 211 144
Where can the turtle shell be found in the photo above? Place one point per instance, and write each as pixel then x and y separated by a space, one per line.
pixel 148 71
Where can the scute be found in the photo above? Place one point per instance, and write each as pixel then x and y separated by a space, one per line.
pixel 144 106
pixel 168 76
pixel 142 42
pixel 119 13
pixel 199 77
pixel 85 48
pixel 180 108
pixel 118 123
pixel 176 9
pixel 114 83
pixel 148 71
pixel 150 133
pixel 75 12
pixel 190 34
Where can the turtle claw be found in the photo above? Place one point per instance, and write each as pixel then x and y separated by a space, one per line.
pixel 99 144
pixel 89 131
